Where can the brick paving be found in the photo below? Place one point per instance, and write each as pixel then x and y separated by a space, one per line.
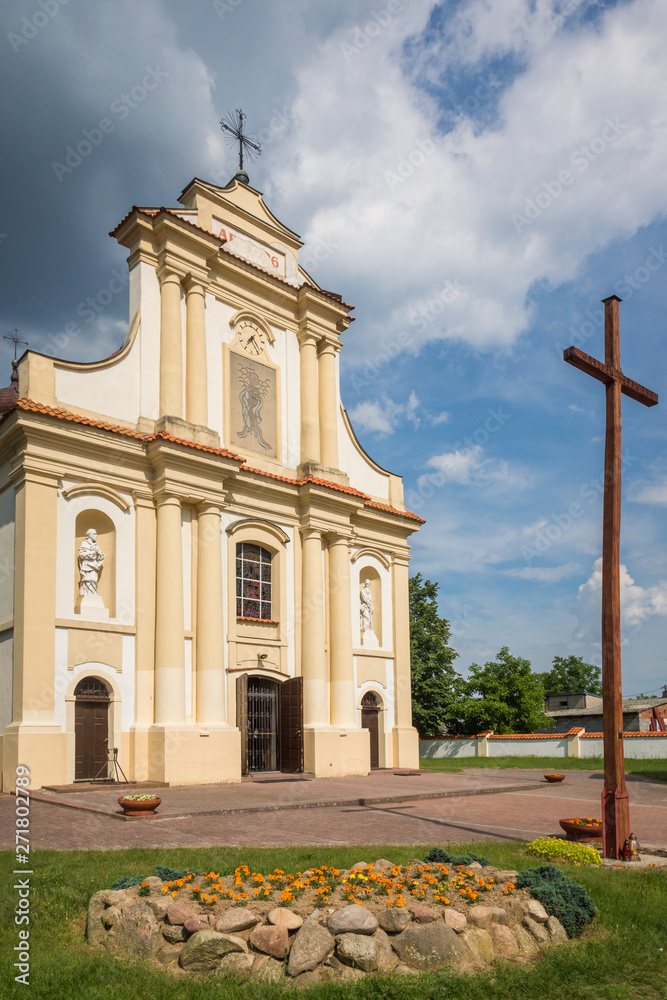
pixel 374 809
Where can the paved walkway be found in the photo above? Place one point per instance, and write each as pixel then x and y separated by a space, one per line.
pixel 384 807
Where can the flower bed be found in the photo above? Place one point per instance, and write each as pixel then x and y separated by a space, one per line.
pixel 324 923
pixel 555 849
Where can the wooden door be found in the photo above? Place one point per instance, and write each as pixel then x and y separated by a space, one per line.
pixel 370 717
pixel 242 718
pixel 291 725
pixel 91 734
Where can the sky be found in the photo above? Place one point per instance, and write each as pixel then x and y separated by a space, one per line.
pixel 474 175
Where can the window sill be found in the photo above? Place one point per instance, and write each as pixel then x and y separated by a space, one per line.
pixel 262 621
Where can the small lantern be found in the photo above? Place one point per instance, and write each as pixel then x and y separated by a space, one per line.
pixel 625 850
pixel 634 848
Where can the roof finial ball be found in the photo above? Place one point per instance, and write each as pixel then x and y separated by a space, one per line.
pixel 233 128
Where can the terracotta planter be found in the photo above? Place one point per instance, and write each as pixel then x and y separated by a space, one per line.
pixel 580 832
pixel 140 809
pixel 554 778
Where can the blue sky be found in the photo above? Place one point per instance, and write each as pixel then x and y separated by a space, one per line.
pixel 475 177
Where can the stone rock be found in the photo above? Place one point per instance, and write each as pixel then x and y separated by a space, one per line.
pixel 514 908
pixel 154 883
pixel 233 921
pixel 237 964
pixel 499 914
pixel 533 908
pixel 474 866
pixel 416 863
pixel 387 957
pixel 428 947
pixel 117 896
pixel 479 944
pixel 97 904
pixel 159 905
pixel 204 950
pixel 352 919
pixel 270 939
pixel 556 930
pixel 173 933
pixel 504 941
pixel 457 921
pixel 405 970
pixel 393 920
pixel 193 924
pixel 480 916
pixel 506 875
pixel 268 970
pixel 527 945
pixel 135 934
pixel 382 865
pixel 359 951
pixel 311 945
pixel 359 864
pixel 538 931
pixel 317 975
pixel 283 917
pixel 424 914
pixel 168 954
pixel 178 913
pixel 110 916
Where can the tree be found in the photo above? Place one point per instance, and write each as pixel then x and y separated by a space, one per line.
pixel 503 695
pixel 431 658
pixel 572 674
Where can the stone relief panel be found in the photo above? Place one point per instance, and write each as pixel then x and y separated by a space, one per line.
pixel 253 406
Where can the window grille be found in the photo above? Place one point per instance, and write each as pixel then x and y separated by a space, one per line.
pixel 91 689
pixel 253 581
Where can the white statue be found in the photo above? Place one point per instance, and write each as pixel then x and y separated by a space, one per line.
pixel 366 609
pixel 90 561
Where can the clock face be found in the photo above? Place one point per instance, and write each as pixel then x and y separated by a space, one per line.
pixel 250 337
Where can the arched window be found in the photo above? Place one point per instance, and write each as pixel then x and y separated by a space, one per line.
pixel 253 582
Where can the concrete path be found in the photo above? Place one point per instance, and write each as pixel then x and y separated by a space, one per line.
pixel 383 808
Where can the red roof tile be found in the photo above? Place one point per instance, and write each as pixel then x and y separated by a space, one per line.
pixel 52 411
pixel 394 510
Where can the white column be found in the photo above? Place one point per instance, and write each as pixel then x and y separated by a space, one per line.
pixel 169 618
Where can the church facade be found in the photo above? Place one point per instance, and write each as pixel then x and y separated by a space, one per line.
pixel 202 569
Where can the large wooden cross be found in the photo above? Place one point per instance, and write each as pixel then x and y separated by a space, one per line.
pixel 615 811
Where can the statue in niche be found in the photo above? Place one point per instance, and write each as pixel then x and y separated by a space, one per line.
pixel 366 609
pixel 90 561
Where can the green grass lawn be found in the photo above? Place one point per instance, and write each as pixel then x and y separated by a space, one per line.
pixel 620 958
pixel 654 770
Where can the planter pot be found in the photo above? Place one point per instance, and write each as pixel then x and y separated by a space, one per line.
pixel 579 832
pixel 554 778
pixel 139 809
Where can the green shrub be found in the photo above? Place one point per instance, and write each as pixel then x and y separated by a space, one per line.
pixel 553 848
pixel 161 872
pixel 560 896
pixel 438 856
pixel 128 881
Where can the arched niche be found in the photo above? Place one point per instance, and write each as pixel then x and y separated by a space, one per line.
pixel 371 640
pixel 106 539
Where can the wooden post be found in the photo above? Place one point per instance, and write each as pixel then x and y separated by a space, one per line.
pixel 615 806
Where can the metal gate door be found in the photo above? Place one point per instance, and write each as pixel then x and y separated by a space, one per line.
pixel 262 724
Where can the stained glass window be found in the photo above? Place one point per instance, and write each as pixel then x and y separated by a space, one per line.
pixel 253 581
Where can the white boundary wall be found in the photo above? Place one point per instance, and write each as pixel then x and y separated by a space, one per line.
pixel 644 746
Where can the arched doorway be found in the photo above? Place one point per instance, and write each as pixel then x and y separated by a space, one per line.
pixel 370 715
pixel 91 729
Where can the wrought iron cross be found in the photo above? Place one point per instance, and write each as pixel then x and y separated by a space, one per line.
pixel 615 811
pixel 15 340
pixel 233 125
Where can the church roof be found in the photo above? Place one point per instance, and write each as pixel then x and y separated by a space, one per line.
pixel 10 394
pixel 152 212
pixel 31 406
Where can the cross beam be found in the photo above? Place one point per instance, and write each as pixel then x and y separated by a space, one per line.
pixel 615 811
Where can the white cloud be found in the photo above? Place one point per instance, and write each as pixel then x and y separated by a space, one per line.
pixel 653 491
pixel 638 604
pixel 576 409
pixel 545 574
pixel 467 466
pixel 394 174
pixel 384 416
pixel 438 418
